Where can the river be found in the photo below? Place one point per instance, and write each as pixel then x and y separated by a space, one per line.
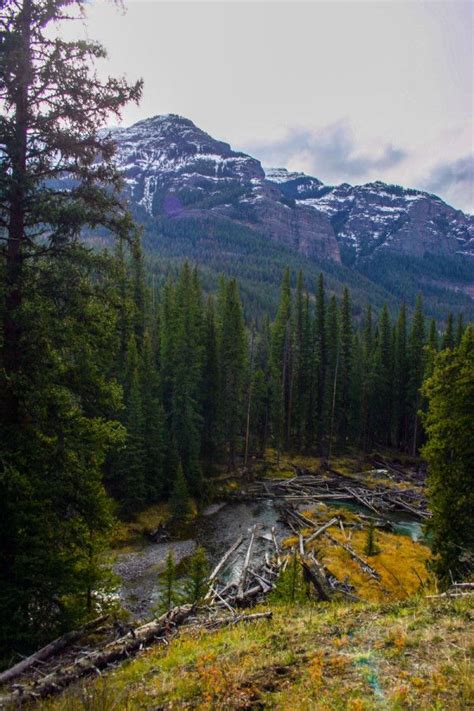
pixel 216 530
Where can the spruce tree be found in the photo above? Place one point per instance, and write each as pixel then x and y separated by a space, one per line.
pixel 180 505
pixel 368 383
pixel 196 584
pixel 448 336
pixel 281 367
pixel 233 360
pixel 416 359
pixel 302 366
pixel 333 375
pixel 383 379
pixel 344 420
pixel 433 340
pixel 320 363
pixel 400 383
pixel 153 424
pixel 186 418
pixel 168 592
pixel 210 387
pixel 449 452
pixel 459 329
pixel 131 466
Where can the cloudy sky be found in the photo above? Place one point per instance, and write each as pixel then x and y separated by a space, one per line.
pixel 344 90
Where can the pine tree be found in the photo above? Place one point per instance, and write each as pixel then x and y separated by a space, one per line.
pixel 320 363
pixel 344 422
pixel 400 380
pixel 233 360
pixel 450 454
pixel 281 367
pixel 210 388
pixel 196 585
pixel 416 356
pixel 448 336
pixel 153 424
pixel 179 502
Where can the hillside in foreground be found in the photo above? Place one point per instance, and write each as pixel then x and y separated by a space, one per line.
pixel 408 655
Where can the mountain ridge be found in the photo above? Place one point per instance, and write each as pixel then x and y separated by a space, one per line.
pixel 183 184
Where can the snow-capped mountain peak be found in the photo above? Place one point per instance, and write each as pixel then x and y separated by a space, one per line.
pixel 173 169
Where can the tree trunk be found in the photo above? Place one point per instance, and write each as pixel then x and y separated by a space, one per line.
pixel 16 227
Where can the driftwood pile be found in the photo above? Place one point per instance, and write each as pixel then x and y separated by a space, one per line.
pixel 334 486
pixel 254 580
pixel 65 660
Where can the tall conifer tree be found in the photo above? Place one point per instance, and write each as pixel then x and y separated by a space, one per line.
pixel 281 366
pixel 233 359
pixel 416 371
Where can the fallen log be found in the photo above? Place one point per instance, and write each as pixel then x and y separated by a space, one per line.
pixel 408 507
pixel 95 661
pixel 223 600
pixel 448 595
pixel 224 621
pixel 243 575
pixel 362 501
pixel 49 650
pixel 366 567
pixel 225 558
pixel 321 530
pixel 301 542
pixel 275 543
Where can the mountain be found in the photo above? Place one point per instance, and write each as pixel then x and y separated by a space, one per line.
pixel 198 198
pixel 375 216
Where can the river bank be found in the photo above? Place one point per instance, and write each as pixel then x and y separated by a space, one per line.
pixel 138 565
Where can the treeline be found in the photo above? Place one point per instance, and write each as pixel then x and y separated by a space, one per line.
pixel 337 383
pixel 182 364
pixel 202 388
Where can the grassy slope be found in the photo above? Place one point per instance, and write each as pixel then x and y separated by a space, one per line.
pixel 409 655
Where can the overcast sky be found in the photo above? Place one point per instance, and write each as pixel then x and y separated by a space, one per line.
pixel 346 91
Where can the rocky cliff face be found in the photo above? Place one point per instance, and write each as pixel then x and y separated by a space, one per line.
pixel 172 169
pixel 375 216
